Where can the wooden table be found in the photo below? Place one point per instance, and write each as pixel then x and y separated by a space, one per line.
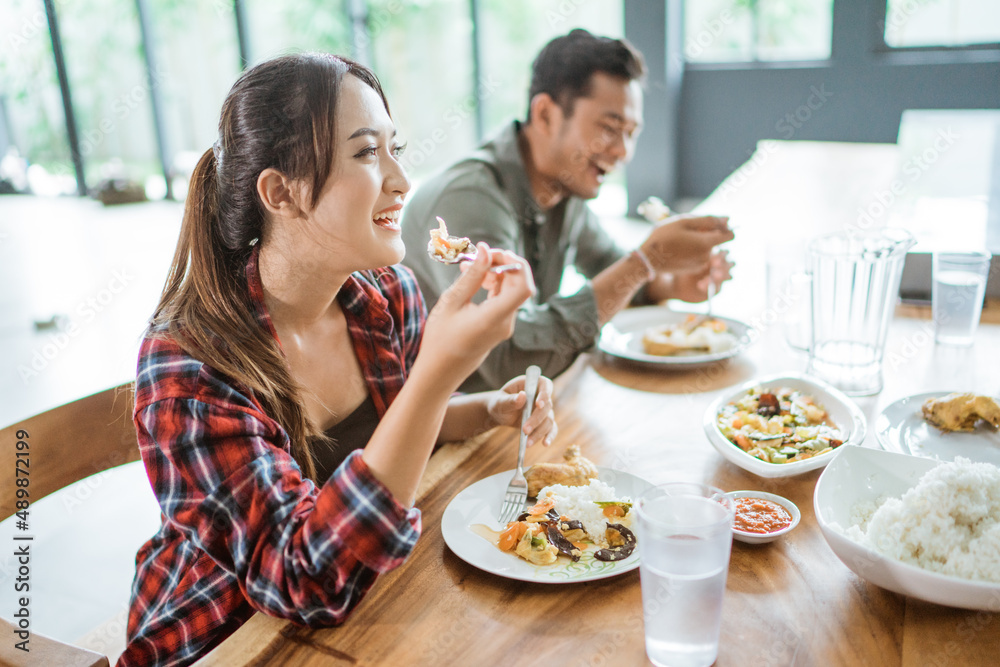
pixel 791 602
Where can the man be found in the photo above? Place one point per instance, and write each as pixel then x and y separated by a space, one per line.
pixel 525 191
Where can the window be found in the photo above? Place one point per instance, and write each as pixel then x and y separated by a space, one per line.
pixel 31 108
pixel 113 109
pixel 942 22
pixel 751 30
pixel 306 25
pixel 422 52
pixel 197 61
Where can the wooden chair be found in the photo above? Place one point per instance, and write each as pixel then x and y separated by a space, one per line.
pixel 63 445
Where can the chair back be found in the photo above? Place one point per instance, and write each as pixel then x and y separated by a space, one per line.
pixel 66 444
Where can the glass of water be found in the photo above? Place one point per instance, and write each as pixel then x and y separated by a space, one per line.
pixel 957 295
pixel 685 535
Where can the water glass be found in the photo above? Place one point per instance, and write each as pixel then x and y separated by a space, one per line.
pixel 685 535
pixel 957 295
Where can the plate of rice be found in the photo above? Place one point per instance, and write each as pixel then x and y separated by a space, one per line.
pixel 915 526
pixel 469 527
pixel 631 332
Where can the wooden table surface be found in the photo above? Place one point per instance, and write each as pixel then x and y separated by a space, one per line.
pixel 791 602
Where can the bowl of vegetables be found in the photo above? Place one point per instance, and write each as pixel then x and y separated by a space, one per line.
pixel 783 425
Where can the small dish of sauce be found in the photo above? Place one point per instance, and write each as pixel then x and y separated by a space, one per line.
pixel 762 517
pixel 756 515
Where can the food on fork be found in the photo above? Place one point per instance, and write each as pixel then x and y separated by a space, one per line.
pixel 576 471
pixel 961 412
pixel 568 521
pixel 689 337
pixel 448 249
pixel 780 425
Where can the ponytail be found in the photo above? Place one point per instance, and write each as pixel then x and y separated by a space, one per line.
pixel 206 309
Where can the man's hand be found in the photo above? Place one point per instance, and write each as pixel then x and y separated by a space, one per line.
pixel 684 243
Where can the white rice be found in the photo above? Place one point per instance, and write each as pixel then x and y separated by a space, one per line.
pixel 948 523
pixel 577 502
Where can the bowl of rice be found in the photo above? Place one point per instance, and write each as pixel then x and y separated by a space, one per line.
pixel 913 525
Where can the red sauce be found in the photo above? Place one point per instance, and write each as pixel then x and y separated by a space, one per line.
pixel 756 515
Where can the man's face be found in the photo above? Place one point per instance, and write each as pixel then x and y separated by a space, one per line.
pixel 598 135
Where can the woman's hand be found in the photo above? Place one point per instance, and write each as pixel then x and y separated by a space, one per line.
pixel 459 333
pixel 506 405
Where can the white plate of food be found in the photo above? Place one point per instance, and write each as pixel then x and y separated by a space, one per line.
pixel 808 422
pixel 660 336
pixel 858 484
pixel 901 427
pixel 470 529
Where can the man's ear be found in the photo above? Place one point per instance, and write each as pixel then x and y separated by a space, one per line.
pixel 279 194
pixel 543 112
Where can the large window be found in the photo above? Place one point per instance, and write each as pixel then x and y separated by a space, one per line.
pixel 942 22
pixel 750 30
pixel 111 93
pixel 422 52
pixel 31 109
pixel 197 60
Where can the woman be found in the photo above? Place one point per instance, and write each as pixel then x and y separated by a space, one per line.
pixel 271 410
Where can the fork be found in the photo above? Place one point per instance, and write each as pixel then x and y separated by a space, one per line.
pixel 516 496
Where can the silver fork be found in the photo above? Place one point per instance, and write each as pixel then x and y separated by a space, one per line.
pixel 517 490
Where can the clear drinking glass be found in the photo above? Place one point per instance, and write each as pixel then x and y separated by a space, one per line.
pixel 685 535
pixel 957 294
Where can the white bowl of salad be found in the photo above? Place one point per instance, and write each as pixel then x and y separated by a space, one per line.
pixel 783 425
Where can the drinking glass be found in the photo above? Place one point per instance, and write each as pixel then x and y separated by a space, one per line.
pixel 685 535
pixel 957 295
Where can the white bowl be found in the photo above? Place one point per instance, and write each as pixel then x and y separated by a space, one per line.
pixel 845 414
pixel 761 538
pixel 858 474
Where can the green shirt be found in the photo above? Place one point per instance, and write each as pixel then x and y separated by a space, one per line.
pixel 487 197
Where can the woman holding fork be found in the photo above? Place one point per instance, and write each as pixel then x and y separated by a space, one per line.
pixel 289 389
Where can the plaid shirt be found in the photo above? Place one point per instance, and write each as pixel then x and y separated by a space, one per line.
pixel 243 530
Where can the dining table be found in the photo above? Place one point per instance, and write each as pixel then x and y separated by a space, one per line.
pixel 787 602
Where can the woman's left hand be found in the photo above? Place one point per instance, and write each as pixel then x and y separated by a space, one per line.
pixel 507 403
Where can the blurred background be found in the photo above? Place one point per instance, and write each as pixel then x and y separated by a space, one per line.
pixel 127 92
pixel 106 105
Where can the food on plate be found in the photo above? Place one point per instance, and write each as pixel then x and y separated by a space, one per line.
pixel 576 471
pixel 689 337
pixel 961 412
pixel 781 425
pixel 948 523
pixel 760 516
pixel 569 520
pixel 446 248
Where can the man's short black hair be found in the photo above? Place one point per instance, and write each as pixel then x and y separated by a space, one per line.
pixel 564 67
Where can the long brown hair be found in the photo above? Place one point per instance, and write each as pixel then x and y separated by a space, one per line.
pixel 278 114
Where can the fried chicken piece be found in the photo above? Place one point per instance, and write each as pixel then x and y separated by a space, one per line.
pixel 960 412
pixel 576 471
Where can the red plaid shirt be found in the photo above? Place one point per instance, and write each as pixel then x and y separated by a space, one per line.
pixel 242 530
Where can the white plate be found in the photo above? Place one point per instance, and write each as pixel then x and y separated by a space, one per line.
pixel 622 337
pixel 479 503
pixel 844 412
pixel 859 474
pixel 902 428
